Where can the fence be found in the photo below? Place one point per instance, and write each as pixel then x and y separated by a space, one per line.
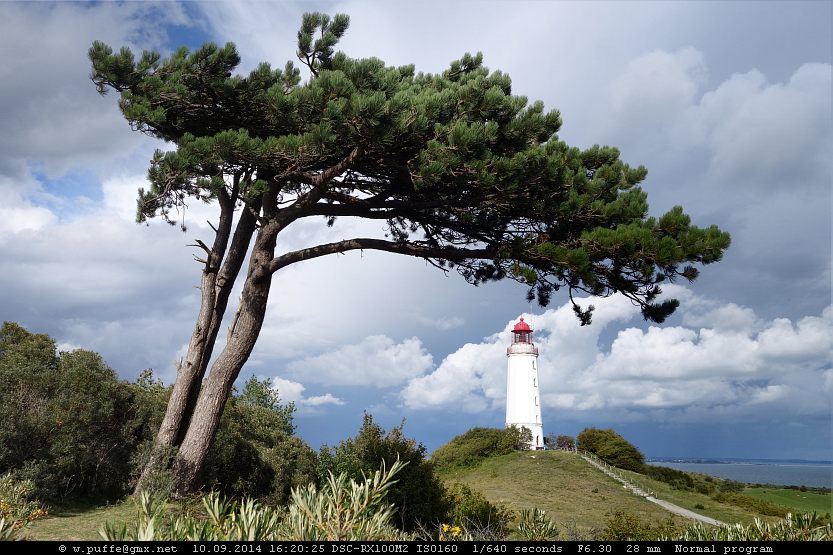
pixel 611 471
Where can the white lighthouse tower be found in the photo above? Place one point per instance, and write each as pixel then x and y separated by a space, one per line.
pixel 523 403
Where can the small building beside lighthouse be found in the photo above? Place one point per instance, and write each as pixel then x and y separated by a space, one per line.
pixel 523 401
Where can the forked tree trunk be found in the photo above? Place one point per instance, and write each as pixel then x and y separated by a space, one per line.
pixel 216 286
pixel 214 393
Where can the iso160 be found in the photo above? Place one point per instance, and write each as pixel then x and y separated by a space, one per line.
pixel 436 548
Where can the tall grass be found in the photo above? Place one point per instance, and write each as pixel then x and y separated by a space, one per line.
pixel 799 527
pixel 341 510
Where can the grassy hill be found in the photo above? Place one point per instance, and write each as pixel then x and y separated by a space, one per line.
pixel 575 494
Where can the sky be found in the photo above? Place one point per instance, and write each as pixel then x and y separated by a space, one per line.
pixel 728 105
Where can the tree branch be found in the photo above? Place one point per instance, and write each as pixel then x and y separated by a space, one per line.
pixel 453 254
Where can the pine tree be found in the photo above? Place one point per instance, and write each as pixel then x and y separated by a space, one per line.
pixel 465 175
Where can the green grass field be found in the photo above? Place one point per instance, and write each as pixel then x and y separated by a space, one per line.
pixel 803 501
pixel 79 522
pixel 576 494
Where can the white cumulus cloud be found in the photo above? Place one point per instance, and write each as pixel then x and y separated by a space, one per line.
pixel 376 361
pixel 733 361
pixel 293 392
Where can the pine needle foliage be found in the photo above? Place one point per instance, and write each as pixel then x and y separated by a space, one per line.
pixel 464 172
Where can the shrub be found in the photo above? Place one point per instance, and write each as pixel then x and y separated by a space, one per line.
pixel 799 527
pixel 418 495
pixel 295 465
pixel 731 486
pixel 17 507
pixel 234 466
pixel 341 510
pixel 676 478
pixel 471 511
pixel 611 448
pixel 344 510
pixel 67 423
pixel 534 525
pixel 625 526
pixel 472 447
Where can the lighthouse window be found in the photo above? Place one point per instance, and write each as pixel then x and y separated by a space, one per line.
pixel 534 383
pixel 536 401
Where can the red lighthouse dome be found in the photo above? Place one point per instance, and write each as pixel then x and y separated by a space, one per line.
pixel 522 333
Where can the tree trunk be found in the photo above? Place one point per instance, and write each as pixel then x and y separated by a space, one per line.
pixel 187 379
pixel 205 420
pixel 216 288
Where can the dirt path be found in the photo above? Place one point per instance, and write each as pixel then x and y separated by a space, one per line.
pixel 676 509
pixel 684 512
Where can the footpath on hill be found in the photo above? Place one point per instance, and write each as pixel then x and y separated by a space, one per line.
pixel 676 509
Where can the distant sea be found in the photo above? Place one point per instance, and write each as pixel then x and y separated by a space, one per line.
pixel 758 471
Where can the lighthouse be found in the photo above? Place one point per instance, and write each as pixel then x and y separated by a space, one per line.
pixel 523 401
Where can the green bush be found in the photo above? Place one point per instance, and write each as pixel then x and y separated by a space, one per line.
pixel 675 478
pixel 611 448
pixel 294 464
pixel 475 514
pixel 472 447
pixel 70 426
pixel 622 526
pixel 731 486
pixel 418 495
pixel 67 423
pixel 234 466
pixel 255 453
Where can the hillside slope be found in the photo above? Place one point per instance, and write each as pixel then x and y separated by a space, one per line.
pixel 574 493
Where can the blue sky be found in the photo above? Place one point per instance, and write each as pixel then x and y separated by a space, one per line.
pixel 727 104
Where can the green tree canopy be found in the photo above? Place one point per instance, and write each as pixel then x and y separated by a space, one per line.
pixel 470 448
pixel 461 170
pixel 611 448
pixel 418 495
pixel 458 170
pixel 66 421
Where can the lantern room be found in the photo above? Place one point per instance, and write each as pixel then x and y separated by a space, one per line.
pixel 522 333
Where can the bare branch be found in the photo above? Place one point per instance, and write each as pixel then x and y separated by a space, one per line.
pixel 201 245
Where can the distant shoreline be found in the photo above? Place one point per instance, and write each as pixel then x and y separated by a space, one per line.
pixel 813 474
pixel 730 460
